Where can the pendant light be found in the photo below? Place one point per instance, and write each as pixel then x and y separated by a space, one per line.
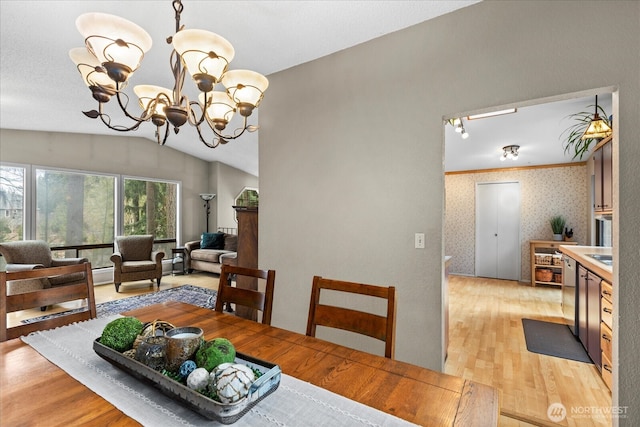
pixel 598 128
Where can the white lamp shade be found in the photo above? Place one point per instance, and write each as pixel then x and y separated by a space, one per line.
pixel 86 64
pixel 221 106
pixel 148 93
pixel 245 86
pixel 194 47
pixel 101 30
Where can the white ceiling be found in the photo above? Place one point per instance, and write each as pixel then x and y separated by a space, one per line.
pixel 268 36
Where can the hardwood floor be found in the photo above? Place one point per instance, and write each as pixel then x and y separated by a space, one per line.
pixel 487 344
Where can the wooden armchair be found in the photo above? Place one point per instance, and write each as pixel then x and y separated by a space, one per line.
pixel 134 259
pixel 79 290
pixel 252 299
pixel 373 325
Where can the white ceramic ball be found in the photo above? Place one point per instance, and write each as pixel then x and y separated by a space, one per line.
pixel 233 383
pixel 198 379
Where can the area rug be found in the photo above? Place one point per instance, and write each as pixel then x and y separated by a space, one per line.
pixel 553 339
pixel 189 294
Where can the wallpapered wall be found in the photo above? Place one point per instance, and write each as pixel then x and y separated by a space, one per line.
pixel 545 192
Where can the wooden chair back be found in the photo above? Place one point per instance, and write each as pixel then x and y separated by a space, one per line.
pixel 250 298
pixel 82 289
pixel 373 325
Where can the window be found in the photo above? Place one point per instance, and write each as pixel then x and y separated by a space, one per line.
pixel 74 208
pixel 247 197
pixel 150 207
pixel 12 183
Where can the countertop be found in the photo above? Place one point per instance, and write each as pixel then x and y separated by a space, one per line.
pixel 579 253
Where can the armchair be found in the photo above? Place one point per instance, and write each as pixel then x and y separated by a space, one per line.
pixel 35 254
pixel 134 259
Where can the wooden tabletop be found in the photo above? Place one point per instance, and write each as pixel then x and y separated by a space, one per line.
pixel 33 390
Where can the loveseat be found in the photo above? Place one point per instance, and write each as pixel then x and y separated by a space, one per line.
pixel 210 252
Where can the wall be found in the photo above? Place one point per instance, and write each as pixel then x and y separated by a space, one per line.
pixel 228 183
pixel 121 155
pixel 358 167
pixel 544 193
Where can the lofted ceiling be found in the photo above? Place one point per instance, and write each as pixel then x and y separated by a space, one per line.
pixel 268 36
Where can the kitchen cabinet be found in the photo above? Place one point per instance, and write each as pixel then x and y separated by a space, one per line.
pixel 603 174
pixel 545 256
pixel 589 313
pixel 606 331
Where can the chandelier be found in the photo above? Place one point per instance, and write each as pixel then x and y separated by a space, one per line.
pixel 114 50
pixel 510 152
pixel 459 127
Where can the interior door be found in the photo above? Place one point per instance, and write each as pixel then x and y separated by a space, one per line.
pixel 498 230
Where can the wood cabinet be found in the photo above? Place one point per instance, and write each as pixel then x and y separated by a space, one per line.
pixel 548 259
pixel 603 173
pixel 589 313
pixel 247 252
pixel 606 331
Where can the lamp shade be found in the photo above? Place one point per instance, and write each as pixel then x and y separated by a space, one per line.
pixel 220 109
pixel 86 64
pixel 148 93
pixel 203 52
pixel 102 31
pixel 598 128
pixel 245 86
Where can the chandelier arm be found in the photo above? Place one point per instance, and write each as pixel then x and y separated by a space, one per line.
pixel 193 119
pixel 210 145
pixel 106 120
pixel 166 134
pixel 123 107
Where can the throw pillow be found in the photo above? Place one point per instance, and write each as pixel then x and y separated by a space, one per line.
pixel 212 241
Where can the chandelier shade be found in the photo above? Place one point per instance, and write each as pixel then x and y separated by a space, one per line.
pixel 220 108
pixel 114 41
pixel 115 48
pixel 87 64
pixel 206 56
pixel 155 96
pixel 245 87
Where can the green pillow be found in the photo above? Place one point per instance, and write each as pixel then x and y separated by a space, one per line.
pixel 212 241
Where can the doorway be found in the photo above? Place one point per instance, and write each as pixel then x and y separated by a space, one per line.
pixel 498 230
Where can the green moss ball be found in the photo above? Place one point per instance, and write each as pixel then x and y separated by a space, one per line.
pixel 119 334
pixel 215 352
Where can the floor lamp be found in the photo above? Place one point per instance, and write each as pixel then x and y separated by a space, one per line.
pixel 207 198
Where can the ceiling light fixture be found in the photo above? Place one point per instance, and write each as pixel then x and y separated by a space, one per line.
pixel 510 152
pixel 114 50
pixel 459 127
pixel 598 128
pixel 492 114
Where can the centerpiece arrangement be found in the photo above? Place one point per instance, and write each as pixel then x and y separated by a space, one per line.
pixel 209 376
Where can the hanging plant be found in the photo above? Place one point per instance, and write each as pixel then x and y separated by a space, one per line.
pixel 572 136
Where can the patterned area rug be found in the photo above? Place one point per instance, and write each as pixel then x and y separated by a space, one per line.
pixel 189 294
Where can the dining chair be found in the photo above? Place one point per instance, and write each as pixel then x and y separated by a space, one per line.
pixel 370 324
pixel 79 290
pixel 252 299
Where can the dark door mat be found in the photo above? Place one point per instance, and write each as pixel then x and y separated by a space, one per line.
pixel 553 339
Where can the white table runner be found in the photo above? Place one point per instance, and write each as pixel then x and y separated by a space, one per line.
pixel 294 403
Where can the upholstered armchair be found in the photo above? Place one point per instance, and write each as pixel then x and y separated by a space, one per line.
pixel 32 254
pixel 134 259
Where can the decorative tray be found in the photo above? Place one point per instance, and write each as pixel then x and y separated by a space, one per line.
pixel 209 408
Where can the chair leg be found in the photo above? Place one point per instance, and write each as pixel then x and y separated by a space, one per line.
pixel 117 287
pixel 43 308
pixel 158 280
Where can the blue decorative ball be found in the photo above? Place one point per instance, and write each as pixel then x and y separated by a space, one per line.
pixel 186 368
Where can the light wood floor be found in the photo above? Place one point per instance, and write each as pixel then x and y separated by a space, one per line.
pixel 487 345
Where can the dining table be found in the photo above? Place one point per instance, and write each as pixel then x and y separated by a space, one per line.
pixel 34 391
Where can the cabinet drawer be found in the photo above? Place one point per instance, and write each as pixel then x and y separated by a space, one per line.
pixel 606 290
pixel 606 337
pixel 607 370
pixel 606 312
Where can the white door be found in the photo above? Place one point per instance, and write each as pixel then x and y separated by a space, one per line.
pixel 498 230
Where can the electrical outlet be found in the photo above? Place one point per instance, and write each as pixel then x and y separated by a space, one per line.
pixel 419 240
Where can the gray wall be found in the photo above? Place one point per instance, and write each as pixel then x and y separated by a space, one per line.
pixel 358 167
pixel 228 182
